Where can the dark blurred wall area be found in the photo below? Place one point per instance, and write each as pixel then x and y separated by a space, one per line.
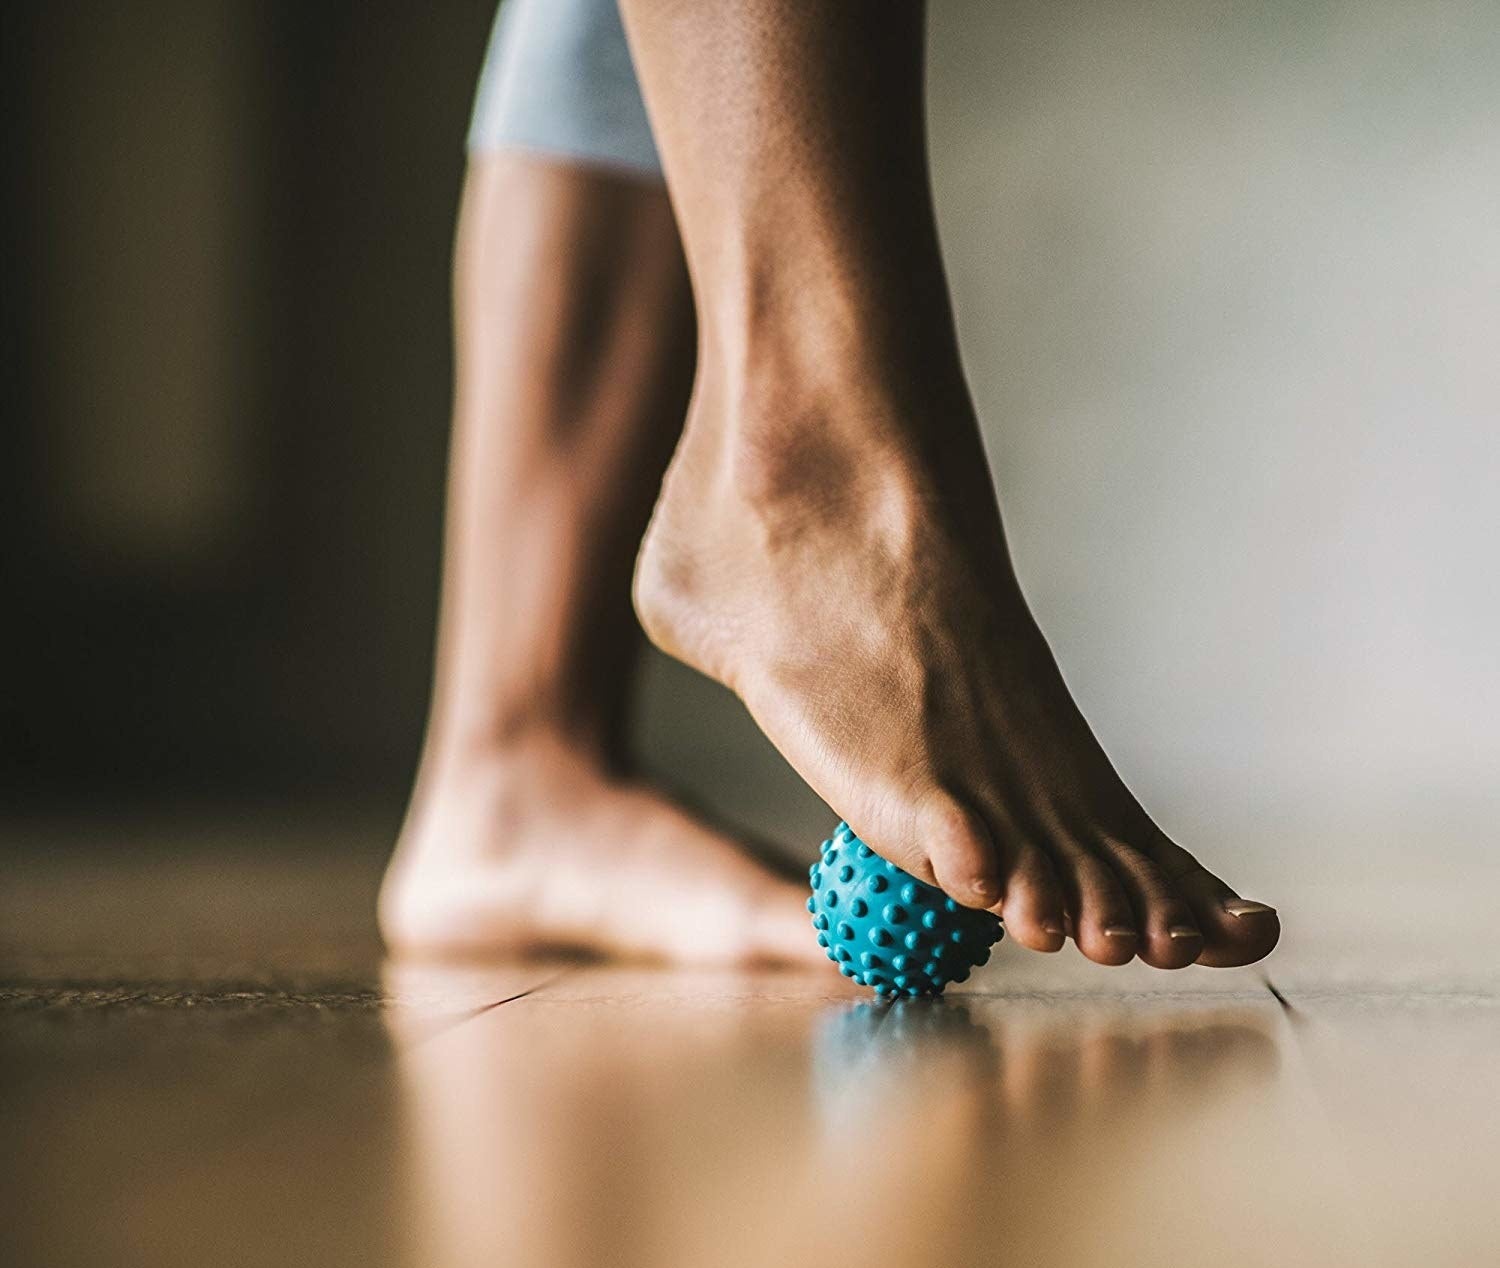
pixel 226 387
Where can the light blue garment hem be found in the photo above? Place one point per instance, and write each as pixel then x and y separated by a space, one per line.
pixel 558 80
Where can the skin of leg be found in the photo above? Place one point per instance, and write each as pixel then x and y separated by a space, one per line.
pixel 828 542
pixel 574 357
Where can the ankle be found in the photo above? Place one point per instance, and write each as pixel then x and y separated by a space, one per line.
pixel 451 752
pixel 845 432
pixel 806 303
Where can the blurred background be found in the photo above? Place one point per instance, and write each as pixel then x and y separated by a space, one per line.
pixel 1228 278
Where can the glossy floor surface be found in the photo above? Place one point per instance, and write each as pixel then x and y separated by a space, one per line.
pixel 206 1062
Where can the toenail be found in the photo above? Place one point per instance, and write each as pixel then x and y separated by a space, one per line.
pixel 1183 931
pixel 1243 907
pixel 1119 931
pixel 985 888
pixel 1055 930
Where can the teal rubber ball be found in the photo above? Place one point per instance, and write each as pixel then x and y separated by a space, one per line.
pixel 886 929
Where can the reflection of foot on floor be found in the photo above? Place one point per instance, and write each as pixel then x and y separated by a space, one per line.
pixel 1053 1072
pixel 542 850
pixel 1089 1075
pixel 838 561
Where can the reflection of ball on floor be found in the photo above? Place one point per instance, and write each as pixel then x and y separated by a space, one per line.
pixel 871 1059
pixel 888 930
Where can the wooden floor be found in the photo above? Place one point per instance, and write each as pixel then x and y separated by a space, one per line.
pixel 206 1063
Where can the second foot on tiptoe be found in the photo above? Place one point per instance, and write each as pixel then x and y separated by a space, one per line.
pixel 538 847
pixel 837 559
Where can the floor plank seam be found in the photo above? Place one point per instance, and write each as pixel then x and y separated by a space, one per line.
pixel 448 1024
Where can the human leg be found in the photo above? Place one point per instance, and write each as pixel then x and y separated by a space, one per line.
pixel 828 542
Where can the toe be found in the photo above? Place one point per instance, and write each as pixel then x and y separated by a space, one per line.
pixel 1235 930
pixel 1102 921
pixel 1032 907
pixel 1170 937
pixel 959 852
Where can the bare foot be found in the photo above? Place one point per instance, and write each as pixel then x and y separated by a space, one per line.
pixel 830 548
pixel 540 849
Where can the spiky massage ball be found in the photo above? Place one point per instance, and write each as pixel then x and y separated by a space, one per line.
pixel 886 929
